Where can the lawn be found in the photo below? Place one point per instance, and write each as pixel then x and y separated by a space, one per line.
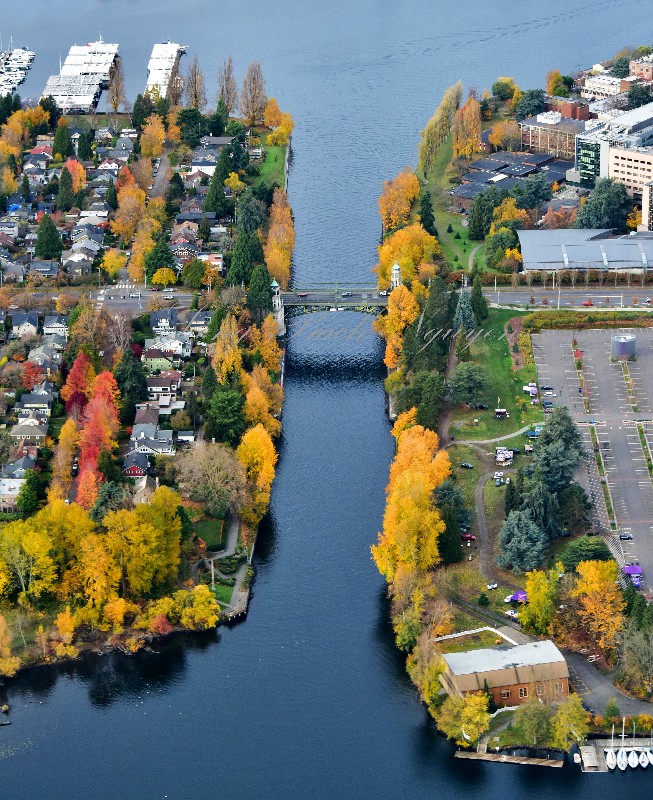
pixel 474 641
pixel 211 530
pixel 273 167
pixel 223 593
pixel 56 424
pixel 490 349
pixel 466 479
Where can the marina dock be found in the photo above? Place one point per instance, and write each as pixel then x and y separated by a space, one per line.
pixel 593 752
pixel 504 758
pixel 14 64
pixel 85 73
pixel 163 67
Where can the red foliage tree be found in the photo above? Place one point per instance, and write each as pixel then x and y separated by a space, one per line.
pixel 79 378
pixel 104 385
pixel 87 489
pixel 33 374
pixel 100 425
pixel 75 405
pixel 125 178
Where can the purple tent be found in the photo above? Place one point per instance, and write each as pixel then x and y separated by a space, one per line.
pixel 633 569
pixel 519 597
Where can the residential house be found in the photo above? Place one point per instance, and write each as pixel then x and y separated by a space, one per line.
pixel 112 165
pixel 155 360
pixel 167 383
pixel 46 387
pixel 9 489
pixel 144 488
pixel 136 465
pixel 213 260
pixel 186 437
pixel 146 413
pixel 177 344
pixel 160 444
pixel 37 401
pixel 123 150
pixel 184 251
pixel 24 323
pixel 199 322
pixel 513 675
pixel 47 269
pixel 216 142
pixel 47 357
pixel 55 323
pixel 18 468
pixel 29 431
pixel 164 321
pixel 77 262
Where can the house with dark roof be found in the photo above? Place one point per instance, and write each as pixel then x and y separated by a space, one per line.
pixel 164 321
pixel 199 322
pixel 24 323
pixel 135 465
pixel 18 468
pixel 55 324
pixel 154 360
pixel 47 269
pixel 166 384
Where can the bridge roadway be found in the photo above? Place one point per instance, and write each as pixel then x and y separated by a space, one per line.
pixel 338 296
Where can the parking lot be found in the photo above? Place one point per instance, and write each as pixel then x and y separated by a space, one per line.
pixel 615 402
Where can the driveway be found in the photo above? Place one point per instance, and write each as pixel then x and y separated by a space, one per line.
pixel 160 183
pixel 596 690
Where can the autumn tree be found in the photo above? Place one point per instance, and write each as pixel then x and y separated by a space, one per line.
pixel 438 128
pixel 541 589
pixel 77 174
pixel 467 129
pixel 64 454
pixel 413 249
pixel 25 556
pixel 402 310
pixel 227 88
pixel 264 343
pixel 280 241
pixel 164 277
pixel 227 357
pixel 570 723
pixel 272 114
pixel 194 85
pixel 601 601
pixel 464 719
pixel 79 378
pixel 9 664
pixel 153 137
pixel 212 475
pixel 116 93
pixel 397 198
pixel 131 210
pixel 113 261
pixel 87 488
pixel 505 135
pixel 252 96
pixel 257 455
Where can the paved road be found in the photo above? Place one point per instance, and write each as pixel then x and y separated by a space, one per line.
pixel 160 183
pixel 596 689
pixel 606 298
pixel 335 297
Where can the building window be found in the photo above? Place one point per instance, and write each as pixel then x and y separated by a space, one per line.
pixel 539 690
pixel 505 694
pixel 558 688
pixel 523 691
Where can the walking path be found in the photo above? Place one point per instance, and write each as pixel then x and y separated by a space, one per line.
pixel 491 441
pixel 470 260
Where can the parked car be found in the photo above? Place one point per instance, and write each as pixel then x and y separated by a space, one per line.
pixel 384 292
pixel 546 388
pixel 492 586
pixel 468 537
pixel 512 614
pixel 550 393
pixel 466 465
pixel 481 406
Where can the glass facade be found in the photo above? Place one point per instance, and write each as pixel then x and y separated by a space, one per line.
pixel 588 161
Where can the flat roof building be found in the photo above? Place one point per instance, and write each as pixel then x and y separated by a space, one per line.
pixel 551 133
pixel 512 675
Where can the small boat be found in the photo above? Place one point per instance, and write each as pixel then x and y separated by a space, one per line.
pixel 643 759
pixel 633 759
pixel 622 759
pixel 611 758
pixel 649 755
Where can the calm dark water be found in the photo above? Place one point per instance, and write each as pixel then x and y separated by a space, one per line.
pixel 308 697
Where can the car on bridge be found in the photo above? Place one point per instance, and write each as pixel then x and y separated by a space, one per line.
pixel 345 294
pixel 302 294
pixel 588 303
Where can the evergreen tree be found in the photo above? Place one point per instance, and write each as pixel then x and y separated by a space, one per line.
pixel 193 273
pixel 259 296
pixel 24 188
pixel 247 252
pixel 449 543
pixel 143 108
pixel 542 506
pixel 215 198
pixel 62 145
pixel 426 213
pixel 209 383
pixel 250 213
pixel 84 146
pixel 510 498
pixel 478 301
pixel 464 316
pixel 607 206
pixel 112 196
pixel 523 544
pixel 65 196
pixel 204 230
pixel 48 104
pixel 448 493
pixel 225 418
pixel 48 241
pixel 132 383
pixel 159 257
pixel 27 500
pixel 214 325
pixel 463 350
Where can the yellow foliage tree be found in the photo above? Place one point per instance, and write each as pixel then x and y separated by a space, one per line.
pixel 9 183
pixel 404 421
pixel 272 115
pixel 397 198
pixel 164 277
pixel 227 357
pixel 131 209
pixel 409 247
pixel 505 134
pixel 8 664
pixel 257 454
pixel 153 137
pixel 234 183
pixel 113 261
pixel 402 310
pixel 601 601
pixel 507 211
pixel 467 129
pixel 464 719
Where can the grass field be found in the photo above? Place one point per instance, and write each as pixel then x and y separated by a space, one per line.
pixel 211 530
pixel 223 593
pixel 273 167
pixel 505 384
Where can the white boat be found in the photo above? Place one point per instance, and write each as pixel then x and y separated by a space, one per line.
pixel 633 759
pixel 649 755
pixel 622 759
pixel 643 759
pixel 610 758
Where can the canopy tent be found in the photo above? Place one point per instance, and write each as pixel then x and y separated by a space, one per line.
pixel 633 569
pixel 519 597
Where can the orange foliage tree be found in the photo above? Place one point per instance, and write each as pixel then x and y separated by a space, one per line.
pixel 79 378
pixel 257 454
pixel 467 129
pixel 397 198
pixel 77 173
pixel 281 239
pixel 402 310
pixel 601 601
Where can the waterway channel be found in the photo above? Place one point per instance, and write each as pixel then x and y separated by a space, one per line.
pixel 308 697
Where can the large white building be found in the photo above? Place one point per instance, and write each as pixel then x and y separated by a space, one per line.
pixel 163 67
pixel 87 70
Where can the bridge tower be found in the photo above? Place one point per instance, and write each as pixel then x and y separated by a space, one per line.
pixel 277 307
pixel 395 277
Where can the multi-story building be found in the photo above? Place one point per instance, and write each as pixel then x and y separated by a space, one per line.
pixel 597 87
pixel 642 68
pixel 514 675
pixel 647 207
pixel 551 133
pixel 617 148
